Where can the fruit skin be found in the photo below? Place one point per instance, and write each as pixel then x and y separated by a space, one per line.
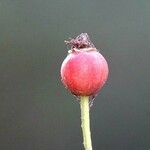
pixel 84 71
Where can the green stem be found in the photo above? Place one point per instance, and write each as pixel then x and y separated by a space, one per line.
pixel 85 122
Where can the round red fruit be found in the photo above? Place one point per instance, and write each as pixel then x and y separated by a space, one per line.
pixel 84 71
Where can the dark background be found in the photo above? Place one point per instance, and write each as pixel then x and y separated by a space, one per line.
pixel 36 111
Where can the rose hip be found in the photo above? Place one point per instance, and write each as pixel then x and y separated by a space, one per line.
pixel 84 71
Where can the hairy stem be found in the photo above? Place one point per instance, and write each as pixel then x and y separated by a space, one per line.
pixel 85 122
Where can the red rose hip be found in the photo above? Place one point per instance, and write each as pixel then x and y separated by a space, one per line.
pixel 84 71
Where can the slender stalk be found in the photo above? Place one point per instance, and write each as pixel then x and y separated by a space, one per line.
pixel 85 122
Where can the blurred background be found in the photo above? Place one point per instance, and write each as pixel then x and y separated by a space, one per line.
pixel 36 111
